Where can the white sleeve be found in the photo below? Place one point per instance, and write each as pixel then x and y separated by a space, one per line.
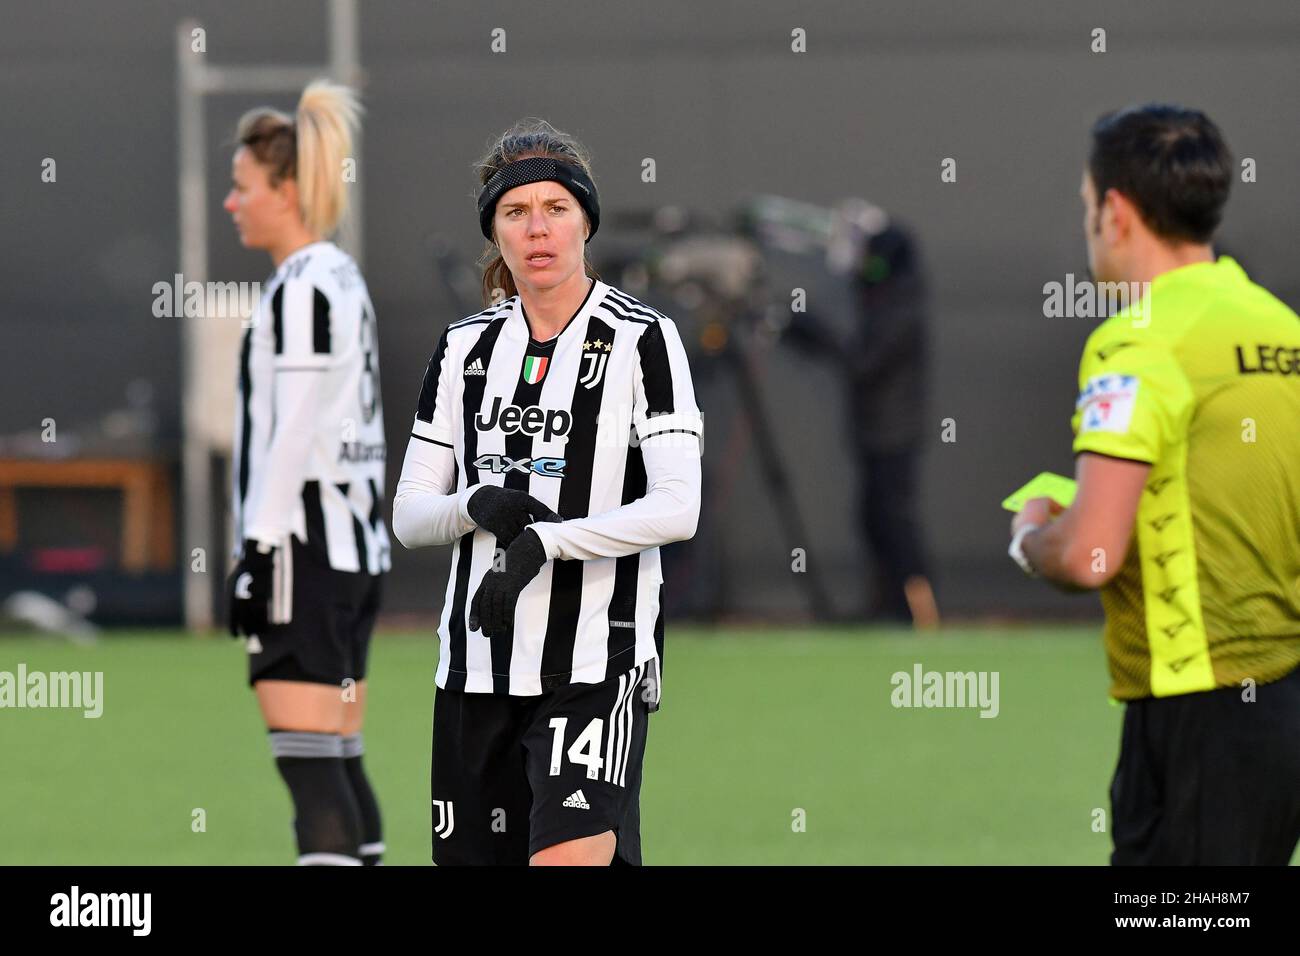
pixel 427 510
pixel 669 430
pixel 303 357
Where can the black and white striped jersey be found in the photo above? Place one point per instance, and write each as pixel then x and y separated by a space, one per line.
pixel 309 426
pixel 600 423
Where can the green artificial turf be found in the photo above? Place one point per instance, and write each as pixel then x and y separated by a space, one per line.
pixel 756 726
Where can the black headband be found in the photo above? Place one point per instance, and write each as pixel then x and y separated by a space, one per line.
pixel 536 169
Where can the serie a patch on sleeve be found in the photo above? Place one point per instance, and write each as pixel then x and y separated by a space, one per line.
pixel 1106 403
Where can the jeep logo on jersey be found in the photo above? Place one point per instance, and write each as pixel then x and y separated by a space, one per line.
pixel 545 467
pixel 533 420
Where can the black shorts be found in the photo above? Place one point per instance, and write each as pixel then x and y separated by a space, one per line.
pixel 327 639
pixel 514 775
pixel 1209 778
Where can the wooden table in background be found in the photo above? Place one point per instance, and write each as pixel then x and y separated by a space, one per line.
pixel 147 520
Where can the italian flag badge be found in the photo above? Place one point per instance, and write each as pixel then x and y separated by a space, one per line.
pixel 535 368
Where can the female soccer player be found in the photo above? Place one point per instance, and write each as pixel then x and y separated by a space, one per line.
pixel 560 425
pixel 309 472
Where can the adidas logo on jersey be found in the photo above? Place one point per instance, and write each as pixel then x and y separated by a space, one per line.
pixel 475 368
pixel 577 800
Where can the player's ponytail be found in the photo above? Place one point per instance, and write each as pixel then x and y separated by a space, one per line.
pixel 327 116
pixel 528 137
pixel 310 147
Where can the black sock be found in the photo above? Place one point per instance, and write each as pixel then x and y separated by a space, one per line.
pixel 327 820
pixel 372 835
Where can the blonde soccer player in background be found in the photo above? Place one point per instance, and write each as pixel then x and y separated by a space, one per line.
pixel 309 472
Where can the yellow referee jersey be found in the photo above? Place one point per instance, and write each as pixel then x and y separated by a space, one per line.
pixel 1201 379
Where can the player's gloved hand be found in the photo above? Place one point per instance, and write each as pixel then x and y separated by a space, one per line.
pixel 249 590
pixel 506 511
pixel 493 607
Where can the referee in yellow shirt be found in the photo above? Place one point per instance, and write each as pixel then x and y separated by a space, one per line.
pixel 1187 515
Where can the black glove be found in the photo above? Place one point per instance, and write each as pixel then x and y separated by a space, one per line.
pixel 505 512
pixel 493 607
pixel 249 590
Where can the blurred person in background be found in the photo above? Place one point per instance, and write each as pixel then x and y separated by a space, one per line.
pixel 311 545
pixel 884 362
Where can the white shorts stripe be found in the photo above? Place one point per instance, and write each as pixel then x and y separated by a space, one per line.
pixel 628 717
pixel 624 731
pixel 609 728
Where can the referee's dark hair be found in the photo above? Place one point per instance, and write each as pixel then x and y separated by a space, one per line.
pixel 1170 162
pixel 528 137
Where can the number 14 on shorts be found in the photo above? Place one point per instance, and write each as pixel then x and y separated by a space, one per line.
pixel 585 751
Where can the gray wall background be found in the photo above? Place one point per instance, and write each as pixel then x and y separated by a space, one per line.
pixel 713 93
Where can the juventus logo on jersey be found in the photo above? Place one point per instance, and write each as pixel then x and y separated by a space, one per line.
pixel 594 356
pixel 446 818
